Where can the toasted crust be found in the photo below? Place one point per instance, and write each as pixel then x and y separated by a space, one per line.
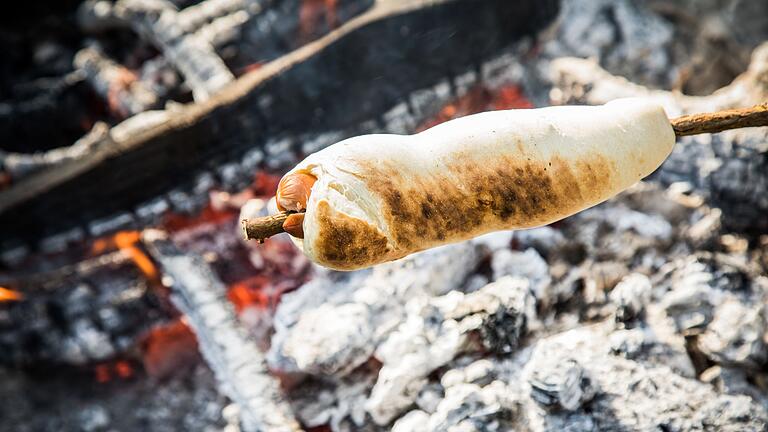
pixel 346 243
pixel 468 199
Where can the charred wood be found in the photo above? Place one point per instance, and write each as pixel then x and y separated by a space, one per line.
pixel 275 103
pixel 238 364
pixel 125 94
pixel 78 315
pixel 157 21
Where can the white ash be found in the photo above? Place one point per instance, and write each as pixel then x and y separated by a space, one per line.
pixel 559 383
pixel 239 366
pixel 495 241
pixel 528 265
pixel 738 335
pixel 631 296
pixel 437 330
pixel 733 381
pixel 323 346
pixel 730 414
pixel 94 418
pixel 470 407
pixel 415 420
pixel 158 21
pixel 373 301
pixel 115 83
pixel 429 397
pixel 630 395
pixel 339 403
pixel 655 343
pixel 152 209
pixel 623 34
pixel 542 239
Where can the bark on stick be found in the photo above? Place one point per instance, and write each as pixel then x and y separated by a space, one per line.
pixel 719 121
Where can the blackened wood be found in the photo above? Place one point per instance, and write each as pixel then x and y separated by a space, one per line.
pixel 351 75
pixel 237 362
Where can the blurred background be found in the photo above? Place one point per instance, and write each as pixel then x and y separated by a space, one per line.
pixel 135 134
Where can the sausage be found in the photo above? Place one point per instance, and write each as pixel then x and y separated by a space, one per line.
pixel 377 198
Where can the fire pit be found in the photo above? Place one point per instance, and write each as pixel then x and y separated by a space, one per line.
pixel 129 300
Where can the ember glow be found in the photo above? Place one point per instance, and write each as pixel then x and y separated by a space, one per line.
pixel 312 13
pixel 9 295
pixel 121 84
pixel 110 371
pixel 127 241
pixel 169 348
pixel 479 99
pixel 249 293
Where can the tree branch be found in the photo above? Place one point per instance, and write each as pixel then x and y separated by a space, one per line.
pixel 719 121
pixel 264 227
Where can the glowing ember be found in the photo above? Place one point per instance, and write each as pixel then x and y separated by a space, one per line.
pixel 121 83
pixel 102 373
pixel 510 97
pixel 265 185
pixel 7 295
pixel 176 222
pixel 123 369
pixel 127 241
pixel 118 369
pixel 5 180
pixel 479 99
pixel 249 293
pixel 169 348
pixel 311 15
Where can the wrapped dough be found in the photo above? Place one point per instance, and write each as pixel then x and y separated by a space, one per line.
pixel 377 198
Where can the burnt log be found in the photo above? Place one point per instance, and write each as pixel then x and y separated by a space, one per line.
pixel 79 314
pixel 349 76
pixel 240 367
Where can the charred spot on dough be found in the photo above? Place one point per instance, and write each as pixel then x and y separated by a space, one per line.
pixel 345 242
pixel 469 197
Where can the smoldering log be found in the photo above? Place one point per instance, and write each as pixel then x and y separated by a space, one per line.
pixel 78 314
pixel 235 359
pixel 125 94
pixel 157 20
pixel 277 105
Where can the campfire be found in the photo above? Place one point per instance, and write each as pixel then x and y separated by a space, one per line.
pixel 139 133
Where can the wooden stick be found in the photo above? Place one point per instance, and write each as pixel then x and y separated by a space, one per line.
pixel 264 227
pixel 719 121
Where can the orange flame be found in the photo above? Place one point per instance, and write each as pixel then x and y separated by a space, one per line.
pixel 126 241
pixel 7 295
